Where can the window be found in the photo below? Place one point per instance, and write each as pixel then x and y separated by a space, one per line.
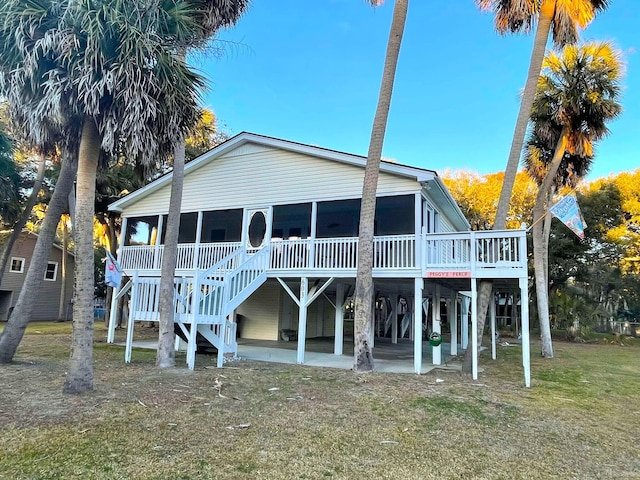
pixel 17 265
pixel 52 271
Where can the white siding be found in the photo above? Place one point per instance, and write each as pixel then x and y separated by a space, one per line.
pixel 445 225
pixel 261 312
pixel 267 177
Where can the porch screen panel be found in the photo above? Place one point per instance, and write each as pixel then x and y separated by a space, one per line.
pixel 141 231
pixel 221 226
pixel 188 225
pixel 395 215
pixel 292 221
pixel 339 218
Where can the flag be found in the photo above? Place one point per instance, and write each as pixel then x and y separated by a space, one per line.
pixel 113 272
pixel 567 211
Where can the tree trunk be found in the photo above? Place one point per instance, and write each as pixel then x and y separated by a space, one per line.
pixel 363 355
pixel 545 17
pixel 14 330
pixel 547 12
pixel 166 356
pixel 80 374
pixel 539 253
pixel 26 213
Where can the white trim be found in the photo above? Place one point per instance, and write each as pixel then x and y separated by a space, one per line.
pixel 22 262
pixel 55 272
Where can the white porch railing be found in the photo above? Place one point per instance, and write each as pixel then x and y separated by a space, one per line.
pixel 477 249
pixel 447 251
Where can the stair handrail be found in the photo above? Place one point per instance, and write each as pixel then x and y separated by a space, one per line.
pixel 261 256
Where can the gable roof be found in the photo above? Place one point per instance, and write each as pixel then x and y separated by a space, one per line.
pixel 424 176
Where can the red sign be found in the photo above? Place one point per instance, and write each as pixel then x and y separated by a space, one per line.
pixel 449 274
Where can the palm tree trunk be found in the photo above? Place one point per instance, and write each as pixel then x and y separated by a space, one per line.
pixel 166 356
pixel 363 356
pixel 26 213
pixel 80 374
pixel 547 12
pixel 539 251
pixel 14 329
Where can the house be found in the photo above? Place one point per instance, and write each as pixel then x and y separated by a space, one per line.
pixel 57 280
pixel 268 250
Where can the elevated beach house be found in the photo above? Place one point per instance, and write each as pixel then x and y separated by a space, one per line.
pixel 268 251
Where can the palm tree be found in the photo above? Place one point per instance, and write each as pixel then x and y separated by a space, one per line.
pixel 363 356
pixel 562 19
pixel 577 95
pixel 210 15
pixel 112 66
pixel 16 324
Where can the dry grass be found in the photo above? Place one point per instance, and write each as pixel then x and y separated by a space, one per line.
pixel 580 420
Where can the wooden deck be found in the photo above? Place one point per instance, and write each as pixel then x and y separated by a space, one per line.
pixel 481 254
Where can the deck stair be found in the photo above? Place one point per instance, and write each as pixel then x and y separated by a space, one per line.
pixel 204 301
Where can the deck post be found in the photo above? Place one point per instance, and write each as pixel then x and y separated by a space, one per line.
pixel 131 319
pixel 492 313
pixel 312 235
pixel 418 233
pixel 474 329
pixel 196 246
pixel 453 324
pixel 339 328
pixel 436 354
pixel 394 318
pixel 111 332
pixel 464 323
pixel 157 263
pixel 526 354
pixel 417 325
pixel 302 319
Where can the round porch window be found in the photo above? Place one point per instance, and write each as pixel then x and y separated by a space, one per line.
pixel 257 229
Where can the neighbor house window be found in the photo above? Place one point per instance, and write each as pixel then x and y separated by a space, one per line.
pixel 52 271
pixel 17 265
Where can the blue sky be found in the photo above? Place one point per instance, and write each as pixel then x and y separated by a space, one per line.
pixel 309 71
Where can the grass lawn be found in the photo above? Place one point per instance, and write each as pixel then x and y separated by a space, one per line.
pixel 580 419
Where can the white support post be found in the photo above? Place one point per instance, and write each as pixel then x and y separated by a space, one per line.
pixel 302 319
pixel 464 324
pixel 474 329
pixel 196 246
pixel 526 354
pixel 111 332
pixel 492 313
pixel 418 232
pixel 417 325
pixel 312 235
pixel 453 324
pixel 394 318
pixel 130 320
pixel 436 354
pixel 339 328
pixel 113 313
pixel 191 347
pixel 156 251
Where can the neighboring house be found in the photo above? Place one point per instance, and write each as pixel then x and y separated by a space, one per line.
pixel 47 299
pixel 268 250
